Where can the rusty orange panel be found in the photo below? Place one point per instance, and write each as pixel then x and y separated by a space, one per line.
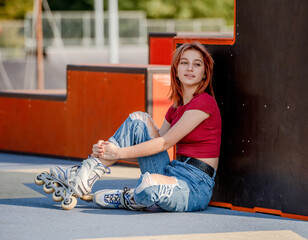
pixel 98 100
pixel 160 48
pixel 161 102
pixel 98 109
pixel 24 122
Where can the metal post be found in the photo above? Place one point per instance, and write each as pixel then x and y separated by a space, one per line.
pixel 86 24
pixel 99 23
pixel 113 31
pixel 40 57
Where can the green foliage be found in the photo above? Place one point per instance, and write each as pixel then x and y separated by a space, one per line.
pixel 16 9
pixel 182 8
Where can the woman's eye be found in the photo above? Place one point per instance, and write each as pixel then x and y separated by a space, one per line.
pixel 184 62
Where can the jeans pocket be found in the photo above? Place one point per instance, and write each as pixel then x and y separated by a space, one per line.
pixel 196 177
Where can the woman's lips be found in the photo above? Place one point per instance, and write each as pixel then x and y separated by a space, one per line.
pixel 189 75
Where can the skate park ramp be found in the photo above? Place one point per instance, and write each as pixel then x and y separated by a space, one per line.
pixel 28 213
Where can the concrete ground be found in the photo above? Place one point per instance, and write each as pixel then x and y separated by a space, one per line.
pixel 28 213
pixel 57 59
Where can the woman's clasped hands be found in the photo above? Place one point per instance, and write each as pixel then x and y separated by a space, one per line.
pixel 105 150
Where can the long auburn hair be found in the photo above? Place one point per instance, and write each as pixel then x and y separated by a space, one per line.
pixel 205 85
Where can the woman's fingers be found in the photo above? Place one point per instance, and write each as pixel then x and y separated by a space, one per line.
pixel 104 150
pixel 102 142
pixel 98 148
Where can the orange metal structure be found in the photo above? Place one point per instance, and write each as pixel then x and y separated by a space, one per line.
pixel 67 123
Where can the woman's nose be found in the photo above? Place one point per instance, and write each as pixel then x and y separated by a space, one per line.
pixel 189 67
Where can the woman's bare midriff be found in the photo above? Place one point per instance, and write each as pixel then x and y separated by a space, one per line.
pixel 210 161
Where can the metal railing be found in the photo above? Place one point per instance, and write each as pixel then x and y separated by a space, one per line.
pixel 78 29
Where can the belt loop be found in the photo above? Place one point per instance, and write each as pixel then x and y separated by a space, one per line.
pixel 214 175
pixel 186 160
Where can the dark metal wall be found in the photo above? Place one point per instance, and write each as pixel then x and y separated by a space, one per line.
pixel 261 87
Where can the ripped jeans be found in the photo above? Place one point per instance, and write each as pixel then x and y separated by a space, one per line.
pixel 193 188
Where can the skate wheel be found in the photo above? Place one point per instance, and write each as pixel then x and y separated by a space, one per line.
pixel 87 197
pixel 56 197
pixel 47 189
pixel 38 180
pixel 69 203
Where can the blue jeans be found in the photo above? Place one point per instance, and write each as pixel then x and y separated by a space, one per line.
pixel 193 188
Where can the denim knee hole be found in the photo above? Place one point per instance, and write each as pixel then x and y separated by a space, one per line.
pixel 144 117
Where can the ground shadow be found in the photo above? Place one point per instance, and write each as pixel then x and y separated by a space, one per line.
pixel 91 208
pixel 47 202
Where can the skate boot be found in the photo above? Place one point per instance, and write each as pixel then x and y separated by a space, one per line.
pixel 115 198
pixel 63 173
pixel 67 184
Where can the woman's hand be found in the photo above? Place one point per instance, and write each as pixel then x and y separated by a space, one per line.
pixel 97 149
pixel 105 150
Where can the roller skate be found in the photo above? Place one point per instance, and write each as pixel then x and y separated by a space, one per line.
pixel 68 184
pixel 115 198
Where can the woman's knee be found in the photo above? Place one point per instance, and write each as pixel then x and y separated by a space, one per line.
pixel 162 179
pixel 165 194
pixel 146 118
pixel 149 180
pixel 140 116
pixel 145 181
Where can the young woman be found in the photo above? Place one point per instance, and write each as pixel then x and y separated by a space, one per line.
pixel 192 123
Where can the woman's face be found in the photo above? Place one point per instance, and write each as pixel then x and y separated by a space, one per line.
pixel 191 68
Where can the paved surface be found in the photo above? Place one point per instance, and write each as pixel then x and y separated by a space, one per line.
pixel 28 213
pixel 56 60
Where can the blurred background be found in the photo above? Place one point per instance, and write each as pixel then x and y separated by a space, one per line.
pixel 94 32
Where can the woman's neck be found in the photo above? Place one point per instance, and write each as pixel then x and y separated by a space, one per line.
pixel 187 97
pixel 188 94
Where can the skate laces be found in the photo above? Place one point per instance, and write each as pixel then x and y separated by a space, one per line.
pixel 113 198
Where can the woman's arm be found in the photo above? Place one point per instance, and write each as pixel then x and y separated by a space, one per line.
pixel 190 120
pixel 164 128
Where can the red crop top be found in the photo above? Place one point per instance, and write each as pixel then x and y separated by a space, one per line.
pixel 204 140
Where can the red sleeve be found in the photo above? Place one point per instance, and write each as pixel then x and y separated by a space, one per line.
pixel 169 114
pixel 203 102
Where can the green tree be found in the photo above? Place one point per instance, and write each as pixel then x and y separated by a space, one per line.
pixel 182 8
pixel 16 9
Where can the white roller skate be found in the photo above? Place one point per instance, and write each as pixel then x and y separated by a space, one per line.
pixel 115 198
pixel 63 173
pixel 67 184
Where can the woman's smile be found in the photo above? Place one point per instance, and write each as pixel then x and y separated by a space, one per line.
pixel 189 75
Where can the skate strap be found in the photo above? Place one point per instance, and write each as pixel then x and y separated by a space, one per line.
pixel 125 200
pixel 107 169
